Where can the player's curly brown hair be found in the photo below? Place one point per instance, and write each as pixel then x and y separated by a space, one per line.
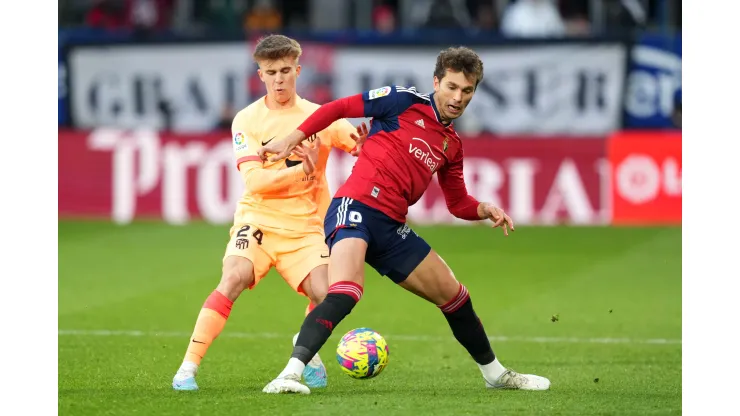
pixel 459 59
pixel 273 47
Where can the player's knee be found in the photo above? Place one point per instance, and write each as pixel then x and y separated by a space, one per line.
pixel 318 297
pixel 433 280
pixel 236 277
pixel 448 286
pixel 316 285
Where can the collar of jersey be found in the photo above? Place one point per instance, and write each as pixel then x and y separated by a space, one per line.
pixel 296 105
pixel 436 112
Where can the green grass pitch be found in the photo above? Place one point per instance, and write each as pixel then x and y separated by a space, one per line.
pixel 129 296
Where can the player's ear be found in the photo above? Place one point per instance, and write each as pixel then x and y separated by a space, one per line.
pixel 297 70
pixel 436 84
pixel 259 73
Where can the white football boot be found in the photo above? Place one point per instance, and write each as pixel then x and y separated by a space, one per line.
pixel 513 380
pixel 185 377
pixel 287 384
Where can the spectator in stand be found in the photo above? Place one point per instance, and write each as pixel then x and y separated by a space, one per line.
pixel 224 15
pixel 140 15
pixel 532 19
pixel 263 17
pixel 150 15
pixel 448 14
pixel 108 14
pixel 384 17
pixel 486 16
pixel 575 15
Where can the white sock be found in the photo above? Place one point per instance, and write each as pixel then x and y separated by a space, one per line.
pixel 491 372
pixel 295 366
pixel 187 369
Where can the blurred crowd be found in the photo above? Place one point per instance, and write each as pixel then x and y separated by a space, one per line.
pixel 511 18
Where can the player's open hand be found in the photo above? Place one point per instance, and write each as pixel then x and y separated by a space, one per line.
pixel 498 217
pixel 280 149
pixel 309 153
pixel 359 138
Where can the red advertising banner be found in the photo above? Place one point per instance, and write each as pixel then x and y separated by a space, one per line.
pixel 124 175
pixel 646 179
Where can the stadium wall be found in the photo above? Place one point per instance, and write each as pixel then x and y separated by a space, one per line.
pixel 567 131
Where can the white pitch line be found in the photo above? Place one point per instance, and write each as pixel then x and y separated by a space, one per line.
pixel 271 335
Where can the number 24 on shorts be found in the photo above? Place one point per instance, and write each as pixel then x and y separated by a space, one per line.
pixel 242 236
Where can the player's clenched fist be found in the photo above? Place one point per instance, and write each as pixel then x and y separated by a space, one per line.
pixel 309 153
pixel 497 215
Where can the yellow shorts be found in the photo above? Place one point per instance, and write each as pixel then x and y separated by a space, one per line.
pixel 293 254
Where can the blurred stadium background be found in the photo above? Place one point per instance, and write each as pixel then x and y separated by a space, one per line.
pixel 575 131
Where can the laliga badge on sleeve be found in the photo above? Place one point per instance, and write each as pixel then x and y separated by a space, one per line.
pixel 379 92
pixel 240 141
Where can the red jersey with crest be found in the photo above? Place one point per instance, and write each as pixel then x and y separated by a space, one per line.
pixel 406 147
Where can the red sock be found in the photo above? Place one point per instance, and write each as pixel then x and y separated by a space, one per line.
pixel 310 307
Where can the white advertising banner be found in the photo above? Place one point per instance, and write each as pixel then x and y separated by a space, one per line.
pixel 183 86
pixel 572 89
pixel 562 89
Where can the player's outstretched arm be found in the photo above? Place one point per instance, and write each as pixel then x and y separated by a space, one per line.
pixel 347 107
pixel 463 205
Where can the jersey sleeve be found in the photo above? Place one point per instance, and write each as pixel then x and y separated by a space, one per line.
pixel 244 141
pixel 340 135
pixel 451 180
pixel 380 103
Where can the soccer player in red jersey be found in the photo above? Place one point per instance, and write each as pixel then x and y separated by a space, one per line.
pixel 412 137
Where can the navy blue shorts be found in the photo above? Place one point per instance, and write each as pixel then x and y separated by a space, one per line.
pixel 393 248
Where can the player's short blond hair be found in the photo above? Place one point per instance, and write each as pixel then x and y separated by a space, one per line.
pixel 274 47
pixel 459 59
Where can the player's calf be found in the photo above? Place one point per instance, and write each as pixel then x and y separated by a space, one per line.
pixel 319 324
pixel 469 332
pixel 316 329
pixel 238 274
pixel 467 328
pixel 315 286
pixel 433 280
pixel 346 270
pixel 346 275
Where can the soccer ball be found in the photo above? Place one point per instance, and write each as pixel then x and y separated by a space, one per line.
pixel 362 353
